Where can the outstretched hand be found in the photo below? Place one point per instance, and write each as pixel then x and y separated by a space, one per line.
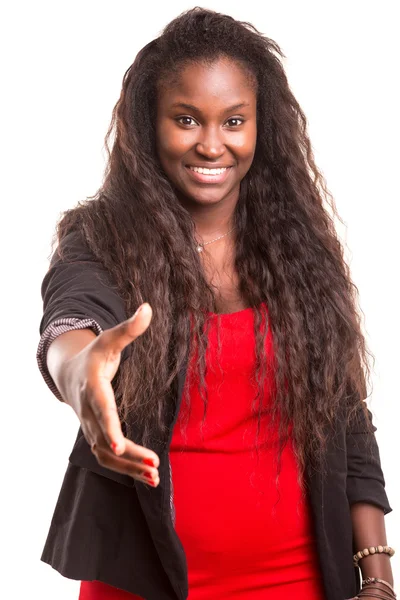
pixel 86 387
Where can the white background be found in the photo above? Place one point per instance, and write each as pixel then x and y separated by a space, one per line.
pixel 61 74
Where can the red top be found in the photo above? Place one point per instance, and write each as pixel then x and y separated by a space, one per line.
pixel 243 536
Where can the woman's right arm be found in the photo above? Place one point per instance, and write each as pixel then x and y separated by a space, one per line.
pixel 81 363
pixel 52 332
pixel 64 347
pixel 82 366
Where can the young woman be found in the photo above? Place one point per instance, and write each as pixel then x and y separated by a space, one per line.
pixel 225 448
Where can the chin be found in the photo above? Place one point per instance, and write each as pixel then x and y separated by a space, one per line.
pixel 207 199
pixel 203 198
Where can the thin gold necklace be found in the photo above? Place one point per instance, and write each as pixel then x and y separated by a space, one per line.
pixel 201 245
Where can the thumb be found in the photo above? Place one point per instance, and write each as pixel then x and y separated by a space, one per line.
pixel 126 332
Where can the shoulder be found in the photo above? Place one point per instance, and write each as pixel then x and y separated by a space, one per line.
pixel 71 247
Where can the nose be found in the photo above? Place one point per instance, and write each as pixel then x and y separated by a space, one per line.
pixel 211 144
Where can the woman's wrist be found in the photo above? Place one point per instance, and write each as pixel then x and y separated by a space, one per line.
pixel 377 565
pixel 61 352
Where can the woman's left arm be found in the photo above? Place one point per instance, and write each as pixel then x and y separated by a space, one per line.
pixel 369 530
pixel 367 496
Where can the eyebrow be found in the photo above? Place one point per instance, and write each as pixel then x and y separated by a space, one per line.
pixel 193 108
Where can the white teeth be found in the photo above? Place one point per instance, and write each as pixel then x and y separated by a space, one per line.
pixel 204 171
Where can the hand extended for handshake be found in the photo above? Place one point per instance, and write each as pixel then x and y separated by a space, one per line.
pixel 85 384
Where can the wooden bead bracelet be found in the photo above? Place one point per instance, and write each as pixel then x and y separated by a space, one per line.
pixel 372 550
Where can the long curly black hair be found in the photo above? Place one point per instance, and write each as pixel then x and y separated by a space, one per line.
pixel 288 255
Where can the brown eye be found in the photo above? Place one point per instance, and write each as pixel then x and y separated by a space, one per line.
pixel 235 122
pixel 186 121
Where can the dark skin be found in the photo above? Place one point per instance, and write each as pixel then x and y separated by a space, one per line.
pixel 209 133
pixel 209 119
pixel 369 530
pixel 196 126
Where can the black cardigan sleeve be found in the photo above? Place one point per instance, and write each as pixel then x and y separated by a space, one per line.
pixel 78 286
pixel 365 479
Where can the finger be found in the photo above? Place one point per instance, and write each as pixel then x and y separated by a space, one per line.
pixel 140 453
pixel 137 458
pixel 142 460
pixel 126 467
pixel 101 401
pixel 103 410
pixel 137 461
pixel 118 337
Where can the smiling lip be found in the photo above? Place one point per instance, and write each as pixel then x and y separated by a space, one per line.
pixel 203 178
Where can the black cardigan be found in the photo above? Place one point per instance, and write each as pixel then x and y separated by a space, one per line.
pixel 109 527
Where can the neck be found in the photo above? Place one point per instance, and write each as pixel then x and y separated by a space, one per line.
pixel 213 220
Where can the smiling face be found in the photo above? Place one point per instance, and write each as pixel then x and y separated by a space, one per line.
pixel 207 130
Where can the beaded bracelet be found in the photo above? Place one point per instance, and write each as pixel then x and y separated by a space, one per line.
pixel 372 550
